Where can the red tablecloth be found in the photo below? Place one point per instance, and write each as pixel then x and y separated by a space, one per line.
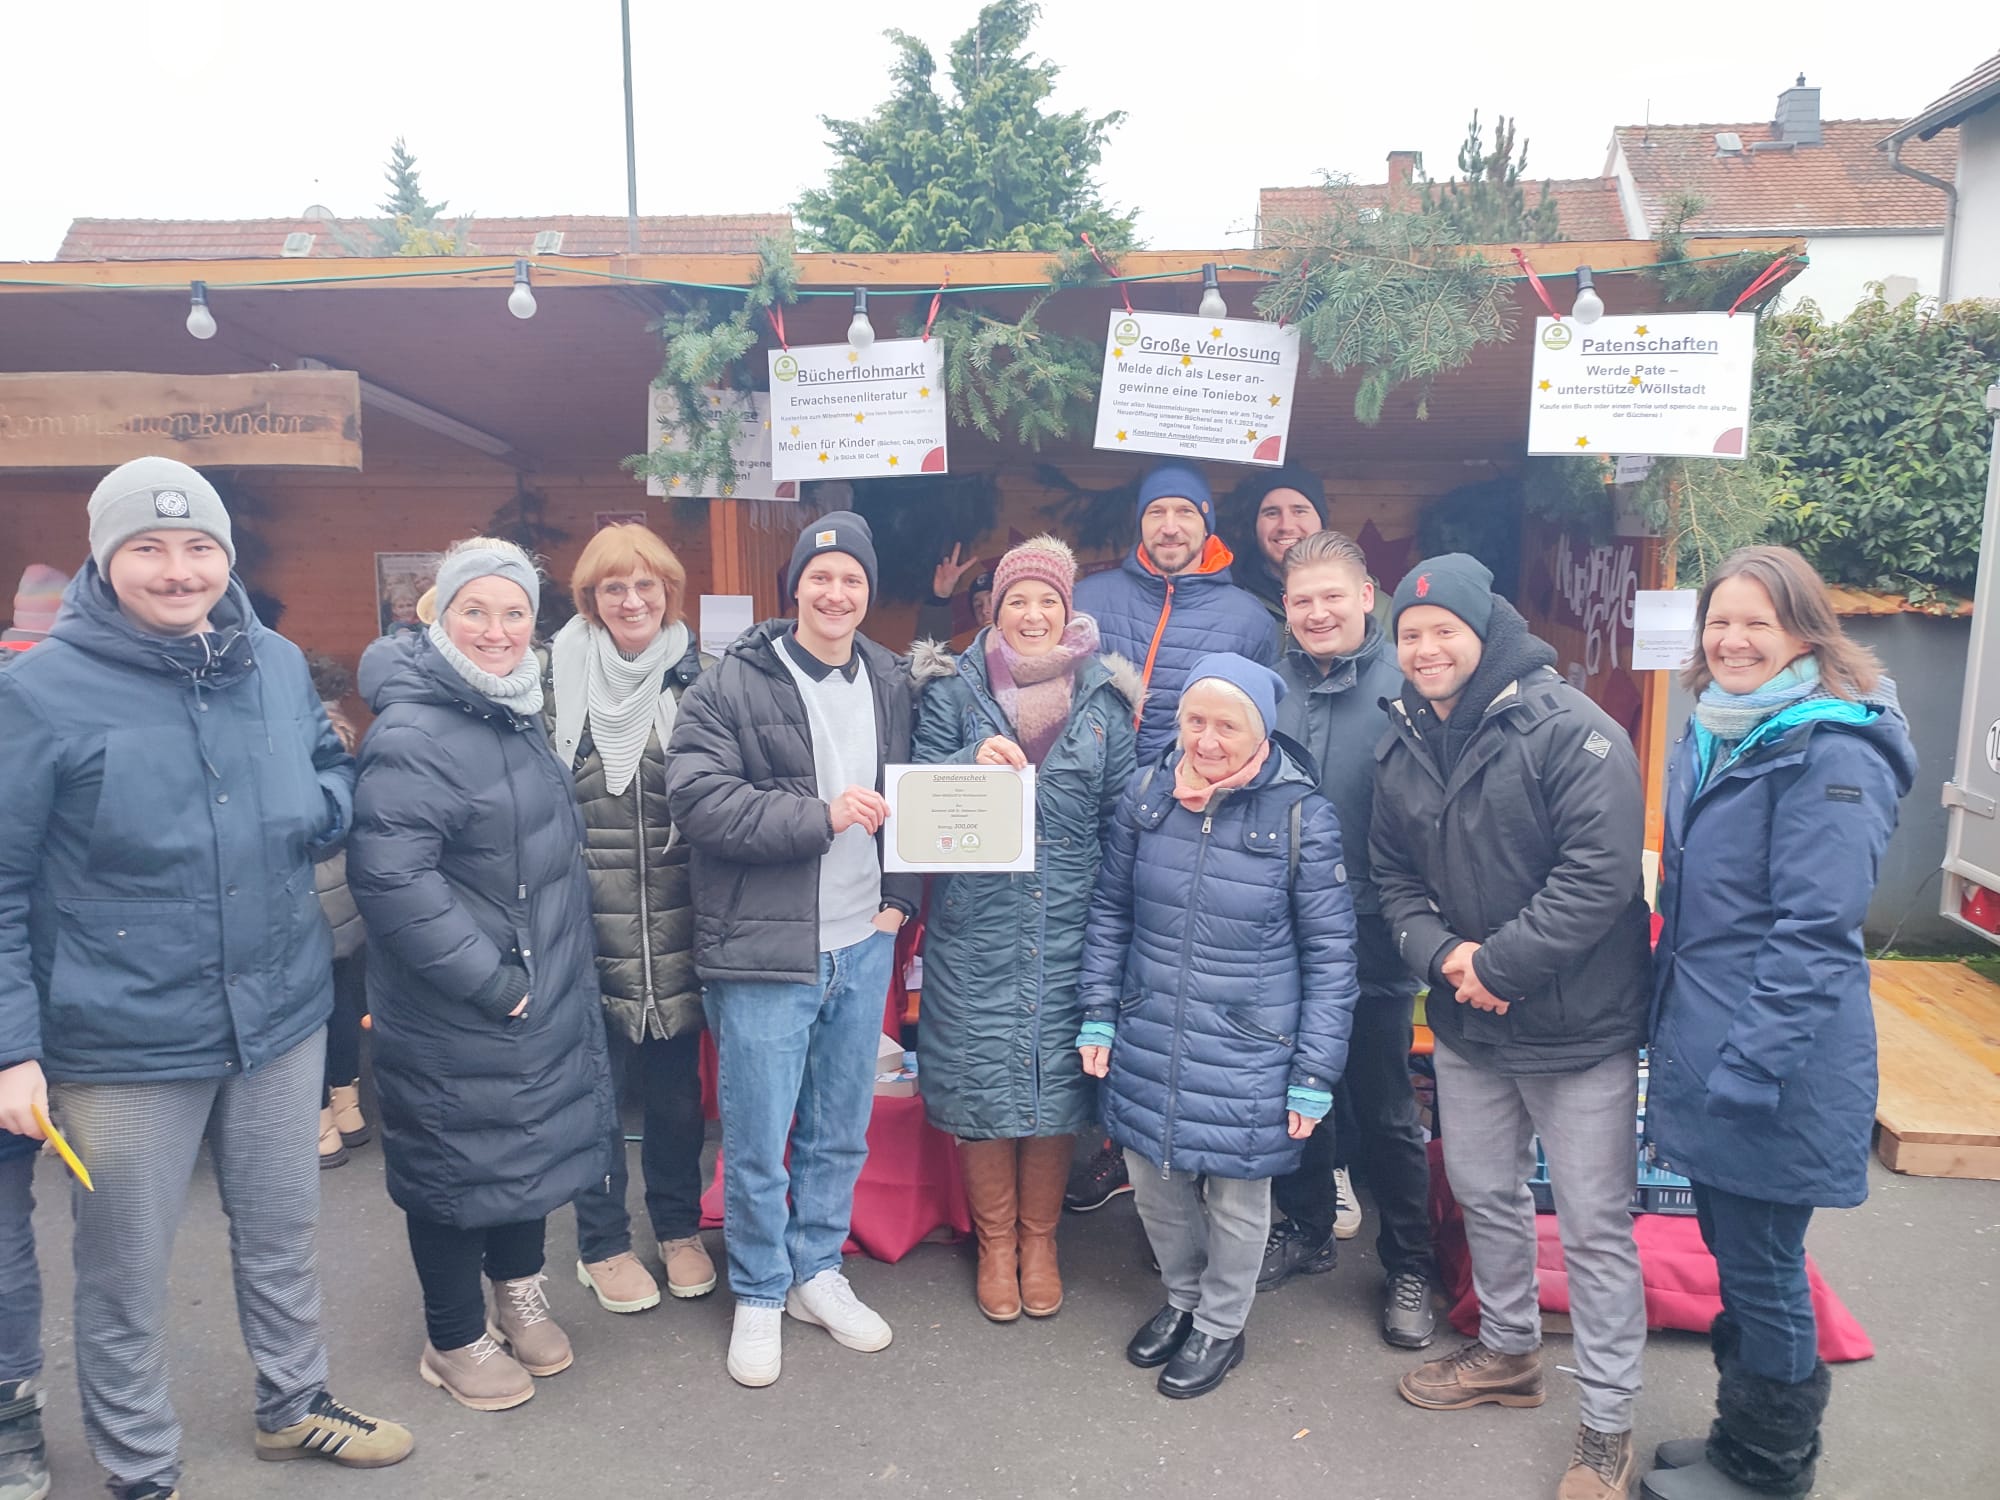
pixel 1679 1273
pixel 908 1190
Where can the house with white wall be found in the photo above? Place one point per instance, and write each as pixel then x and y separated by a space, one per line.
pixel 1971 107
pixel 1865 215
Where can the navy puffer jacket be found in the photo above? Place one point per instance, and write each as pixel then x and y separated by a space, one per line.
pixel 1166 625
pixel 1229 978
pixel 467 854
pixel 1768 873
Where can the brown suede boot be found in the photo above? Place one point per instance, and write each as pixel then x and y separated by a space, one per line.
pixel 1044 1174
pixel 988 1170
pixel 1473 1375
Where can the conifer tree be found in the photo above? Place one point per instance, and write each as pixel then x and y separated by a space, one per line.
pixel 406 195
pixel 1487 204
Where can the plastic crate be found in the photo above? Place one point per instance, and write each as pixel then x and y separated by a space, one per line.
pixel 1654 1190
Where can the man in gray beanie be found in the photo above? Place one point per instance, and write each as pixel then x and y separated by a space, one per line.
pixel 775 780
pixel 165 973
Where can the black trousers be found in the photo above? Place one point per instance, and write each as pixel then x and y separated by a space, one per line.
pixel 449 1261
pixel 343 1028
pixel 1387 1141
pixel 669 1085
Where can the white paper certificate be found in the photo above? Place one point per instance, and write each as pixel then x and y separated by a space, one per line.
pixel 958 819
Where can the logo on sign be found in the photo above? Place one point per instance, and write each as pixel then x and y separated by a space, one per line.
pixel 1127 331
pixel 786 367
pixel 945 843
pixel 169 503
pixel 1556 336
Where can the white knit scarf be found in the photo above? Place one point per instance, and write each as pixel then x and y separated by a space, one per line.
pixel 623 700
pixel 519 692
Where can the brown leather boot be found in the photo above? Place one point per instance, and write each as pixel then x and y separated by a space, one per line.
pixel 1044 1174
pixel 988 1170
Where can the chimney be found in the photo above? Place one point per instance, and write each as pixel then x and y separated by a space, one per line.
pixel 1797 119
pixel 1403 168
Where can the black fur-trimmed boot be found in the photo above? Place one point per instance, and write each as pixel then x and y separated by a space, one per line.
pixel 1724 1339
pixel 1765 1440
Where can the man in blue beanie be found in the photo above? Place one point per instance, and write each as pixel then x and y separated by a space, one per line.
pixel 1168 604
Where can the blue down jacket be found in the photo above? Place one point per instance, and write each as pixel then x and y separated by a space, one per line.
pixel 1769 868
pixel 467 854
pixel 1228 978
pixel 997 1047
pixel 161 805
pixel 1166 624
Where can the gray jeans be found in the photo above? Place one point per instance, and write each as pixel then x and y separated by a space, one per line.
pixel 1586 1122
pixel 1209 1256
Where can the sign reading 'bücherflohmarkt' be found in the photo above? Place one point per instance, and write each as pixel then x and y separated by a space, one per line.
pixel 838 412
pixel 1216 388
pixel 1667 384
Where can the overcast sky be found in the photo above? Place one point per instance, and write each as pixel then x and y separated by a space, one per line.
pixel 256 108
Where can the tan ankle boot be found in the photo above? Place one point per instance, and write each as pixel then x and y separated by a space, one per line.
pixel 347 1117
pixel 1044 1173
pixel 522 1321
pixel 332 1150
pixel 988 1169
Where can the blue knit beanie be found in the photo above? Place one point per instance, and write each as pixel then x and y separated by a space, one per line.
pixel 1258 683
pixel 1182 481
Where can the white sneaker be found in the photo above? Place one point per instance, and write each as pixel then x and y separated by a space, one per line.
pixel 756 1345
pixel 1346 1207
pixel 828 1301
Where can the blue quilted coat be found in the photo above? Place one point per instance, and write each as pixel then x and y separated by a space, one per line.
pixel 1230 978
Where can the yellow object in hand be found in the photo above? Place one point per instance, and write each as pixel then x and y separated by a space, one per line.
pixel 62 1148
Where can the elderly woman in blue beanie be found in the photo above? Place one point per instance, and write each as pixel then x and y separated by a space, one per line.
pixel 466 861
pixel 1218 988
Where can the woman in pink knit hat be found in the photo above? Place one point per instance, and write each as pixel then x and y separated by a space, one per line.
pixel 1001 952
pixel 35 604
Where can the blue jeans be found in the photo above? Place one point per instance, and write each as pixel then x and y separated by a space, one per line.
pixel 797 1060
pixel 1760 1253
pixel 20 1276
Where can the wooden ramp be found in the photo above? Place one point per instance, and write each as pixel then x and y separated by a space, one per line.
pixel 1939 1030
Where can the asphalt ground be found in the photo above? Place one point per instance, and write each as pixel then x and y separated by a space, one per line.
pixel 957 1406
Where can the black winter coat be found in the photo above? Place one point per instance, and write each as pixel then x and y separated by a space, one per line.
pixel 466 855
pixel 743 791
pixel 1531 849
pixel 640 894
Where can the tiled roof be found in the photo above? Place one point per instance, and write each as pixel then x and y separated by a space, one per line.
pixel 1586 207
pixel 1846 183
pixel 1976 91
pixel 258 239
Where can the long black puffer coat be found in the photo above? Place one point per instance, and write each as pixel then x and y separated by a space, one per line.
pixel 466 855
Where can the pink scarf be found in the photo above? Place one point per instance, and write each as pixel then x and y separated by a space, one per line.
pixel 1034 691
pixel 1193 793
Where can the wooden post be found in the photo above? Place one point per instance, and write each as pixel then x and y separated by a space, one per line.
pixel 1658 569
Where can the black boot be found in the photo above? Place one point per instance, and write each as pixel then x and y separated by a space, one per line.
pixel 1765 1440
pixel 1724 1338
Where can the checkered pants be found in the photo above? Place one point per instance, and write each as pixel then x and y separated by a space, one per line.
pixel 140 1141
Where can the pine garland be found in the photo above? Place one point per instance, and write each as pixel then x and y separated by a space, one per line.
pixel 1706 285
pixel 1001 375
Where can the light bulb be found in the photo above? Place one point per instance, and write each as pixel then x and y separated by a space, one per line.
pixel 1212 305
pixel 521 301
pixel 1588 307
pixel 860 332
pixel 200 321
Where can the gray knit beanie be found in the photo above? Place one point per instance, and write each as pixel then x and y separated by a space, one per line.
pixel 153 494
pixel 462 567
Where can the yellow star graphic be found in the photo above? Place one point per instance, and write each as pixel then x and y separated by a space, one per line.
pixel 852 357
pixel 1215 333
pixel 860 416
pixel 795 429
pixel 728 490
pixel 892 460
pixel 1251 434
pixel 923 393
pixel 1640 330
pixel 1116 352
pixel 1582 442
pixel 1637 381
pixel 1121 436
pixel 1542 385
pixel 1277 400
pixel 674 483
pixel 715 401
pixel 822 457
pixel 767 428
pixel 1187 359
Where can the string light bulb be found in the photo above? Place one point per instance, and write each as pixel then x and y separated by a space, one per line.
pixel 1212 305
pixel 200 321
pixel 521 301
pixel 860 332
pixel 1588 307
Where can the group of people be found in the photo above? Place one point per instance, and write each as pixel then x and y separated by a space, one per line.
pixel 1267 813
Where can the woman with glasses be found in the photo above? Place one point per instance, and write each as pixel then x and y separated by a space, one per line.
pixel 466 862
pixel 617 672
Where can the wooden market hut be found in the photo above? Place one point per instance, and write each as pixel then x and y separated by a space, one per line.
pixel 466 410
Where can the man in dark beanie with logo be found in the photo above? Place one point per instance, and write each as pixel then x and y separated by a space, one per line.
pixel 165 973
pixel 774 777
pixel 1505 846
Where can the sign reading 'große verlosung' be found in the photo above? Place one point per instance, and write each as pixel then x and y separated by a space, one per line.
pixel 289 419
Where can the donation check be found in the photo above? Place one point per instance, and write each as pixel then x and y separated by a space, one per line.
pixel 959 819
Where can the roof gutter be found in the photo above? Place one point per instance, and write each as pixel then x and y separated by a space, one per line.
pixel 1950 191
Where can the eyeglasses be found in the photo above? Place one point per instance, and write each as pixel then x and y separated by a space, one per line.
pixel 478 619
pixel 646 588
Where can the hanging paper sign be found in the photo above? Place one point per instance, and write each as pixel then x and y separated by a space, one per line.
pixel 1651 383
pixel 751 450
pixel 1663 629
pixel 842 412
pixel 1216 388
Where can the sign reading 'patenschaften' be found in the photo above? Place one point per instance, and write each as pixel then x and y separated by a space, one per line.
pixel 1666 384
pixel 1217 388
pixel 838 412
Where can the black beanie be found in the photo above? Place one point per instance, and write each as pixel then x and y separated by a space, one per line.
pixel 836 531
pixel 1456 581
pixel 1284 477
